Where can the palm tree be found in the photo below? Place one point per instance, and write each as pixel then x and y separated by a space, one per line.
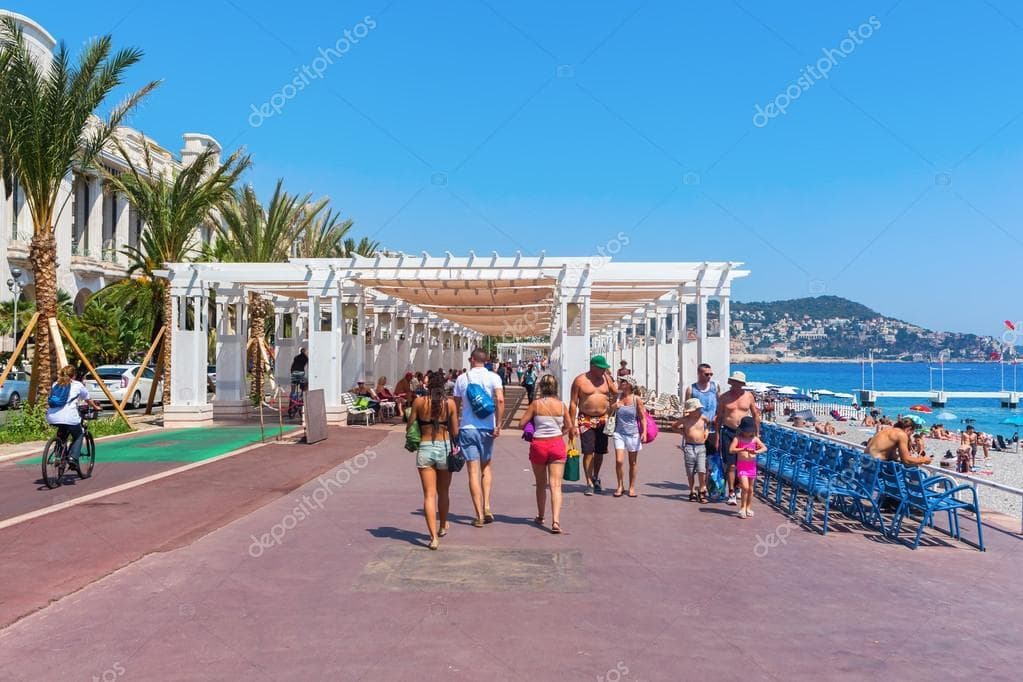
pixel 365 247
pixel 173 210
pixel 47 127
pixel 248 233
pixel 324 238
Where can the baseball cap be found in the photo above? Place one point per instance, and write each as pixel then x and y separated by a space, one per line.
pixel 599 361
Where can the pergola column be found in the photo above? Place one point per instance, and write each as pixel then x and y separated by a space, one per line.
pixel 353 338
pixel 372 353
pixel 286 341
pixel 189 347
pixel 667 376
pixel 231 399
pixel 403 339
pixel 434 343
pixel 420 345
pixel 326 327
pixel 688 349
pixel 387 346
pixel 571 339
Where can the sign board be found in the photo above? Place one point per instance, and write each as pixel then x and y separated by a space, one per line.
pixel 315 410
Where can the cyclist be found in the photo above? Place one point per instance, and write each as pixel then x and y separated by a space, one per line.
pixel 63 409
pixel 298 370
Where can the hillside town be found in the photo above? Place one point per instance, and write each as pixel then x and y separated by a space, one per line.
pixel 832 327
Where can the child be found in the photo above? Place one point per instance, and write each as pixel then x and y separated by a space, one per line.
pixel 746 446
pixel 694 446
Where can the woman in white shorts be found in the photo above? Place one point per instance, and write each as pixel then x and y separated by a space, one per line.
pixel 630 432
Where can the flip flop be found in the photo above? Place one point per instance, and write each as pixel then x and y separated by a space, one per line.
pixel 556 528
pixel 538 520
pixel 618 493
pixel 633 495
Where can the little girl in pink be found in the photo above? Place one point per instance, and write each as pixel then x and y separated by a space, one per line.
pixel 746 446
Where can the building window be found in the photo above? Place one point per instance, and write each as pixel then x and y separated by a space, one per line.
pixel 15 201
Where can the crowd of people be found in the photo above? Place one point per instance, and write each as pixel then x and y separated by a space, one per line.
pixel 459 415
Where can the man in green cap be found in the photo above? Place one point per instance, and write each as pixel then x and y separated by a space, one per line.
pixel 592 396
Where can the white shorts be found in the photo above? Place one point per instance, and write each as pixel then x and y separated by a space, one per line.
pixel 627 443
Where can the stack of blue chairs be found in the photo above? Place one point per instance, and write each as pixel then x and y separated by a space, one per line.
pixel 852 482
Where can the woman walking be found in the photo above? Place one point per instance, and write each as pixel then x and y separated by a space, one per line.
pixel 529 383
pixel 547 451
pixel 437 418
pixel 630 432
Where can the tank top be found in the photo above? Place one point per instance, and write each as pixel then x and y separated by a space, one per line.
pixel 547 426
pixel 709 400
pixel 626 420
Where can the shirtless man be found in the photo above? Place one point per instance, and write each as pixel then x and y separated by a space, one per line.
pixel 733 405
pixel 893 444
pixel 695 427
pixel 592 394
pixel 969 440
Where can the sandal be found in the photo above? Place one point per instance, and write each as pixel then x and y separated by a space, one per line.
pixel 488 516
pixel 477 523
pixel 442 533
pixel 434 543
pixel 692 496
pixel 556 528
pixel 538 520
pixel 632 494
pixel 703 497
pixel 618 493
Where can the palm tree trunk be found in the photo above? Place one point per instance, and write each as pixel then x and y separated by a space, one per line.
pixel 43 256
pixel 257 324
pixel 165 344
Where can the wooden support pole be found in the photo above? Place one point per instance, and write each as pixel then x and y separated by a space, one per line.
pixel 142 367
pixel 21 345
pixel 92 371
pixel 58 347
pixel 157 378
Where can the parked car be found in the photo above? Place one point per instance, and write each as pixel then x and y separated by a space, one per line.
pixel 14 390
pixel 118 378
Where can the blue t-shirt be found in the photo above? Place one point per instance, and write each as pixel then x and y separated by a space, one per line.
pixel 709 400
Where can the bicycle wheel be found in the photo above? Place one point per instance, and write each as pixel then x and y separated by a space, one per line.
pixel 87 457
pixel 53 463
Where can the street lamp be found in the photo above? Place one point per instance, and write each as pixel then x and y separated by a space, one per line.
pixel 14 284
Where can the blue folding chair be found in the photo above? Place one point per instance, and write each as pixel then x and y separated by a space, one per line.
pixel 935 494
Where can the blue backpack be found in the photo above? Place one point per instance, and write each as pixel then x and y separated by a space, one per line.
pixel 480 400
pixel 59 395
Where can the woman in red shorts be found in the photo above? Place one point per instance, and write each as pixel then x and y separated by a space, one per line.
pixel 547 451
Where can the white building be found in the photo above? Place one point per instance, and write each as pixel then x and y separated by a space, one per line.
pixel 95 224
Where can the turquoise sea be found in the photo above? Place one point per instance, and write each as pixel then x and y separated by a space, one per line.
pixel 906 376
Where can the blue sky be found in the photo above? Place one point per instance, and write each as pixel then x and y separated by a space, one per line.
pixel 894 181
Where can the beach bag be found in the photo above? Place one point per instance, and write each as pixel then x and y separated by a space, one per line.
pixel 527 431
pixel 609 426
pixel 572 463
pixel 651 428
pixel 59 395
pixel 413 436
pixel 480 400
pixel 362 403
pixel 716 478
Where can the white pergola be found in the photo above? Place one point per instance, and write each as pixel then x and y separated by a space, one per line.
pixel 366 317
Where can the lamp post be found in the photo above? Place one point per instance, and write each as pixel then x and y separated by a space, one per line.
pixel 14 284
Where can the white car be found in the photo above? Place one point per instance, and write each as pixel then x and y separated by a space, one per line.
pixel 118 378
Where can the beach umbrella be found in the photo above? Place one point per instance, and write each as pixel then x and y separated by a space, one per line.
pixel 1015 420
pixel 946 416
pixel 921 408
pixel 915 418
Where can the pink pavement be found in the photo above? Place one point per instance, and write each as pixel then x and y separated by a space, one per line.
pixel 332 580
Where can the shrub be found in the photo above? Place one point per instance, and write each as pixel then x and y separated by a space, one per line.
pixel 29 424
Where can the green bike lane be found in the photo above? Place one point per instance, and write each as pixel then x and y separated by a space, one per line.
pixel 123 460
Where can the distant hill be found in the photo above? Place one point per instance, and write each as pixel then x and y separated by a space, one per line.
pixel 835 327
pixel 818 308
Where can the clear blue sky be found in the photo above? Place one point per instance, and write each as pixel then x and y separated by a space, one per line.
pixel 535 125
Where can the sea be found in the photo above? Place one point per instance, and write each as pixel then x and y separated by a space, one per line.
pixel 906 376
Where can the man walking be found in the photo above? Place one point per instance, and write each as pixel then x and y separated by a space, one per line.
pixel 476 434
pixel 733 405
pixel 592 394
pixel 705 389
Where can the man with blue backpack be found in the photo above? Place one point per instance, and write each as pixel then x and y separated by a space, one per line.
pixel 479 395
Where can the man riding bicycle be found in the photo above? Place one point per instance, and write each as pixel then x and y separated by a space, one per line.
pixel 63 411
pixel 298 370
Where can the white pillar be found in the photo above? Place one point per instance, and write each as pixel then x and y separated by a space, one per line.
pixel 573 331
pixel 420 345
pixel 122 226
pixel 434 343
pixel 404 333
pixel 94 229
pixel 326 369
pixel 286 341
pixel 189 337
pixel 231 398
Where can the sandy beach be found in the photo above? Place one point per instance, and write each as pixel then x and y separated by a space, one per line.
pixel 1004 467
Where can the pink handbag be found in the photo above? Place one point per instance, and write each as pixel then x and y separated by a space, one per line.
pixel 527 431
pixel 651 429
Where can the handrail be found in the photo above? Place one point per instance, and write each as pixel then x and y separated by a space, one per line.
pixel 937 469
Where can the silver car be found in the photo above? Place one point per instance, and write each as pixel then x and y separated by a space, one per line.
pixel 14 390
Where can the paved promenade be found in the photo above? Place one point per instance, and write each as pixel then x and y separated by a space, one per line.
pixel 332 580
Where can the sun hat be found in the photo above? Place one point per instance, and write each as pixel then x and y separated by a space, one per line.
pixel 599 361
pixel 692 405
pixel 628 379
pixel 737 377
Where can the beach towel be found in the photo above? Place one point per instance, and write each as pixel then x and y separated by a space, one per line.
pixel 716 488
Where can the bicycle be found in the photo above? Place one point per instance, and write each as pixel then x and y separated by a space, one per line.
pixel 296 400
pixel 55 454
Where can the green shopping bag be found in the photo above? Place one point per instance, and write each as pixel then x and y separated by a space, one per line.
pixel 572 463
pixel 413 436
